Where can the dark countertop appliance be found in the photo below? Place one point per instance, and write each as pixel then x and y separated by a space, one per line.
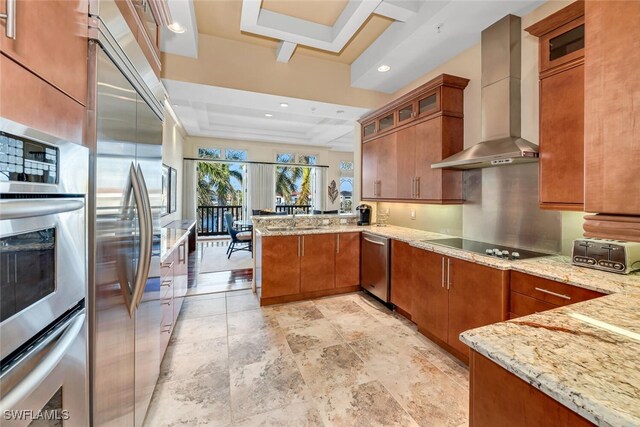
pixel 488 249
pixel 364 212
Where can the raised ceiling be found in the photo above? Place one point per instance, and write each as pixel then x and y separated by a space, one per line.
pixel 210 111
pixel 222 19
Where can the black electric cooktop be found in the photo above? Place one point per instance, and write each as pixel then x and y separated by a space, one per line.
pixel 488 249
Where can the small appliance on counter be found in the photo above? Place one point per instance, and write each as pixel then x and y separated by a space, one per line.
pixel 608 255
pixel 365 214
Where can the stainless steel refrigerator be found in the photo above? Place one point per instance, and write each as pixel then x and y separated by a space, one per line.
pixel 125 191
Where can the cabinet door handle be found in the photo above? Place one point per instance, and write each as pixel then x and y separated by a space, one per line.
pixel 413 188
pixel 10 17
pixel 298 246
pixel 417 187
pixel 448 273
pixel 555 294
pixel 337 243
pixel 302 245
pixel 442 281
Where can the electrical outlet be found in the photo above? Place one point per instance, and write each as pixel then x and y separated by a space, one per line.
pixel 325 222
pixel 413 214
pixel 343 220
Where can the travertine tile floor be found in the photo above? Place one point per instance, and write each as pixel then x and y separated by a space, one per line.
pixel 338 361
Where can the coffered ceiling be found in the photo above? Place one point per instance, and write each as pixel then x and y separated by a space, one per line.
pixel 210 111
pixel 223 18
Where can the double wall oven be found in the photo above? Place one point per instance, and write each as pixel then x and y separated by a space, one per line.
pixel 43 279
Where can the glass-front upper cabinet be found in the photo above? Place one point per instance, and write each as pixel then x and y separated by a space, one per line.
pixel 387 122
pixel 429 103
pixel 368 129
pixel 563 45
pixel 406 113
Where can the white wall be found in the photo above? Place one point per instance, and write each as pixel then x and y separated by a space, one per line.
pixel 173 142
pixel 266 152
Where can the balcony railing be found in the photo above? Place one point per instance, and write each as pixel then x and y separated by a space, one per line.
pixel 290 209
pixel 211 219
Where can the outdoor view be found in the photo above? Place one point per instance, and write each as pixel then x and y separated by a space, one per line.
pixel 220 188
pixel 294 184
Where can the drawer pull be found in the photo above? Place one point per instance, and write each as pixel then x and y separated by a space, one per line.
pixel 166 283
pixel 165 302
pixel 167 264
pixel 167 329
pixel 554 293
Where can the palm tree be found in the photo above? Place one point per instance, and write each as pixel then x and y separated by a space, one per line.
pixel 304 198
pixel 215 182
pixel 286 179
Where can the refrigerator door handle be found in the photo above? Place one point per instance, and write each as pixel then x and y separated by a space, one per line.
pixel 68 333
pixel 140 279
pixel 144 262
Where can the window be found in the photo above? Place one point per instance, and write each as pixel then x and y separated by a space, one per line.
pixel 285 158
pixel 346 186
pixel 307 159
pixel 238 155
pixel 210 153
pixel 295 185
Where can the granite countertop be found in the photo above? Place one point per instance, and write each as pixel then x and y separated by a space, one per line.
pixel 171 237
pixel 555 267
pixel 585 355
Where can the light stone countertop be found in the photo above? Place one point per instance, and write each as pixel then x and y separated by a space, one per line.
pixel 555 267
pixel 585 355
pixel 170 238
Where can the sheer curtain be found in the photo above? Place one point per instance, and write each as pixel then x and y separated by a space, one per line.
pixel 261 186
pixel 189 192
pixel 320 189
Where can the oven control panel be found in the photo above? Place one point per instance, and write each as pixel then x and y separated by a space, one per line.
pixel 25 160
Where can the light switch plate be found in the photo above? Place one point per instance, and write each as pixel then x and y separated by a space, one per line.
pixel 413 214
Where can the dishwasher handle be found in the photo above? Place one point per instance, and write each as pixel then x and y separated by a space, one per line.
pixel 373 241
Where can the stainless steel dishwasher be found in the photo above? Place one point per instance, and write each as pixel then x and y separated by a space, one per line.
pixel 375 265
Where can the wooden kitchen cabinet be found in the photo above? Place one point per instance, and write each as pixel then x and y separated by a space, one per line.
pixel 431 307
pixel 403 139
pixel 532 294
pixel 51 42
pixel 612 136
pixel 454 296
pixel 561 70
pixel 39 105
pixel 437 139
pixel 347 260
pixel 280 264
pixel 499 398
pixel 379 159
pixel 317 262
pixel 403 291
pixel 478 296
pixel 294 268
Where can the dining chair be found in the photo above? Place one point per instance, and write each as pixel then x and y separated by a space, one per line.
pixel 243 239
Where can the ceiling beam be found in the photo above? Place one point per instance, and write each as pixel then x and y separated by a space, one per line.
pixel 400 10
pixel 285 51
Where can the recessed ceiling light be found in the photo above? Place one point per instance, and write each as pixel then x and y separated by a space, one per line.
pixel 268 115
pixel 176 28
pixel 384 68
pixel 284 104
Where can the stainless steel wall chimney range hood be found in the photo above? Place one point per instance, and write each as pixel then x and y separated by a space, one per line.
pixel 500 110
